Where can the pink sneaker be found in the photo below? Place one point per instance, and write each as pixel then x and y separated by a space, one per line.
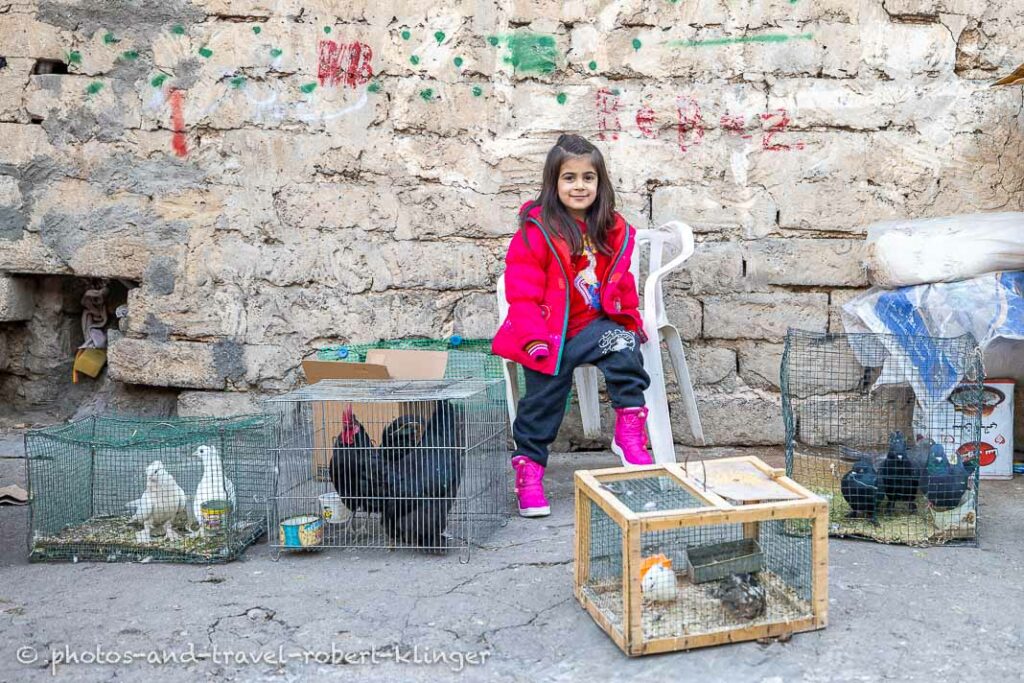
pixel 529 487
pixel 630 440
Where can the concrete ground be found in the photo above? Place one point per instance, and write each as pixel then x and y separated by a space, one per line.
pixel 896 613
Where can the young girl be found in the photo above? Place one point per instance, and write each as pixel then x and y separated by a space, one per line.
pixel 572 300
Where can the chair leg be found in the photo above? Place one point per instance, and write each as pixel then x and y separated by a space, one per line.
pixel 682 372
pixel 659 423
pixel 511 372
pixel 586 377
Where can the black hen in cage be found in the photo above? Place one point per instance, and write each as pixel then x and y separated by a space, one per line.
pixel 887 428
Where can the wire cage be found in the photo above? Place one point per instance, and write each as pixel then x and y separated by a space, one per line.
pixel 418 464
pixel 887 428
pixel 664 563
pixel 153 490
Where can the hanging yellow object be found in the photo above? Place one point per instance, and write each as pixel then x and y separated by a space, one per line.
pixel 89 362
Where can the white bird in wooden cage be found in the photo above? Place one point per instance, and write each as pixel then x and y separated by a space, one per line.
pixel 657 580
pixel 214 486
pixel 162 502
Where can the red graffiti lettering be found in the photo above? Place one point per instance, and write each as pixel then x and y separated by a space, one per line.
pixel 347 63
pixel 645 121
pixel 178 141
pixel 691 122
pixel 608 124
pixel 733 124
pixel 779 122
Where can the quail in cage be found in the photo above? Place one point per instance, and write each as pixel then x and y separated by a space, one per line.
pixel 742 595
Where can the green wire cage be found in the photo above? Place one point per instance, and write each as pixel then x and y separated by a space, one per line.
pixel 115 489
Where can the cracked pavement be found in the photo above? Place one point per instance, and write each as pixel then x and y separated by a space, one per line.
pixel 896 613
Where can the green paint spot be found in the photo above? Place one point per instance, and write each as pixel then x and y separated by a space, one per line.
pixel 493 40
pixel 308 88
pixel 415 60
pixel 766 38
pixel 109 38
pixel 477 91
pixel 374 87
pixel 75 57
pixel 276 52
pixel 427 94
pixel 206 52
pixel 439 37
pixel 327 30
pixel 257 29
pixel 406 35
pixel 616 92
pixel 562 98
pixel 531 52
pixel 94 87
pixel 130 55
pixel 238 81
pixel 592 66
pixel 458 61
pixel 158 80
pixel 636 44
pixel 178 30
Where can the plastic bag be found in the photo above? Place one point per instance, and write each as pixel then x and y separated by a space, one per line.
pixel 990 308
pixel 948 249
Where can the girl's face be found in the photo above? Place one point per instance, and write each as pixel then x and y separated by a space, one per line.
pixel 577 185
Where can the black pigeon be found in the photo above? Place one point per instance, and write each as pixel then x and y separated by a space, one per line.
pixel 946 484
pixel 861 490
pixel 919 454
pixel 898 476
pixel 742 595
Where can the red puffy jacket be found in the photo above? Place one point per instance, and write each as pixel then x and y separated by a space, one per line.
pixel 537 286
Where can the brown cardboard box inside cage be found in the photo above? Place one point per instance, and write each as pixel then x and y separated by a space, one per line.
pixel 381 364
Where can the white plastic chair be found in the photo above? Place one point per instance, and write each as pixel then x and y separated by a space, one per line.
pixel 657 327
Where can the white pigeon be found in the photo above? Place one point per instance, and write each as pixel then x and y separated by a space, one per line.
pixel 161 504
pixel 213 486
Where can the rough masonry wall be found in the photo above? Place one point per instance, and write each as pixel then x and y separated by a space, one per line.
pixel 279 174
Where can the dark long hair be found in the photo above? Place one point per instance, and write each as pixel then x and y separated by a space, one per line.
pixel 555 217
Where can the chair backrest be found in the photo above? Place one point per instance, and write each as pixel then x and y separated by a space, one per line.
pixel 672 234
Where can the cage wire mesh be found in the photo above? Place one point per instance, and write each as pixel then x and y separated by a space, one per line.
pixel 886 428
pixel 161 490
pixel 419 464
pixel 698 580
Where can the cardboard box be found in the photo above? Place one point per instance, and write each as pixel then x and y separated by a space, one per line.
pixel 374 417
pixel 996 444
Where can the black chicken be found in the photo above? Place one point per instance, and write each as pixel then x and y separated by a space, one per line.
pixel 355 466
pixel 898 477
pixel 422 482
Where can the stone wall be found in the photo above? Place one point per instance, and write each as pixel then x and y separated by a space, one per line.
pixel 277 174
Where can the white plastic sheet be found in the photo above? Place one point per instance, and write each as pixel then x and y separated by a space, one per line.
pixel 911 252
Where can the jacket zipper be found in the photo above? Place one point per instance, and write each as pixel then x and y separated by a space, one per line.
pixel 565 317
pixel 615 263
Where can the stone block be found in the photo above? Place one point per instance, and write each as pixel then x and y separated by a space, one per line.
pixel 742 419
pixel 715 267
pixel 190 365
pixel 716 208
pixel 17 298
pixel 760 363
pixel 217 403
pixel 838 298
pixel 764 315
pixel 685 312
pixel 804 262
